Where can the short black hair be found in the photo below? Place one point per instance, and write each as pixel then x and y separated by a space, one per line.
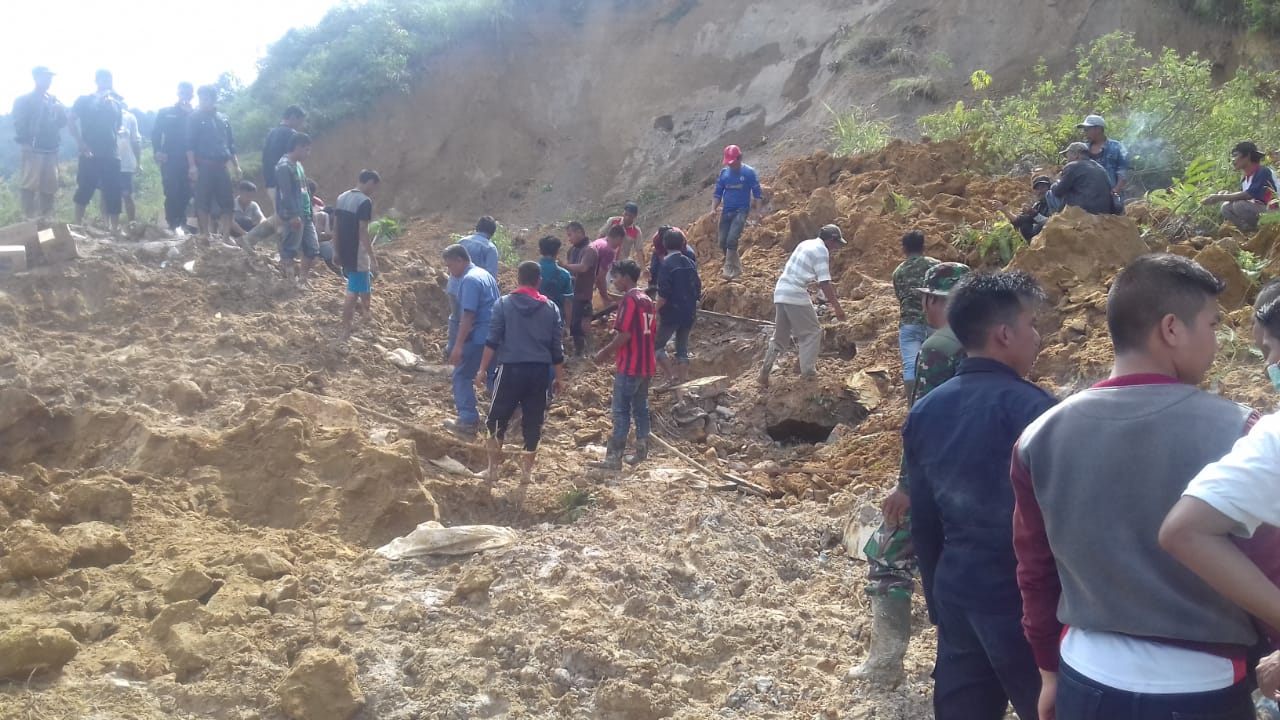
pixel 982 300
pixel 185 87
pixel 299 140
pixel 575 225
pixel 1268 316
pixel 628 268
pixel 456 252
pixel 1248 149
pixel 293 112
pixel 529 274
pixel 246 186
pixel 487 226
pixel 631 207
pixel 549 246
pixel 913 242
pixel 209 91
pixel 370 176
pixel 674 239
pixel 1269 292
pixel 1151 287
pixel 617 231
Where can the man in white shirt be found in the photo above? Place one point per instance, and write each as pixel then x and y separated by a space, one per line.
pixel 129 141
pixel 794 314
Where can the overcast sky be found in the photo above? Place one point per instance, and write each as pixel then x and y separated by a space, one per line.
pixel 149 45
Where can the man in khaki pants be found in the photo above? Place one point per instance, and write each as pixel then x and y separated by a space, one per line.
pixel 38 119
pixel 795 317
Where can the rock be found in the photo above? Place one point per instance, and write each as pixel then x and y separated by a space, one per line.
pixel 34 552
pixel 323 411
pixel 286 588
pixel 236 598
pixel 321 686
pixel 475 580
pixel 1223 264
pixel 103 498
pixel 265 564
pixel 588 436
pixel 189 584
pixel 185 395
pixel 24 650
pixel 88 627
pixel 186 650
pixel 1077 248
pixel 189 612
pixel 96 544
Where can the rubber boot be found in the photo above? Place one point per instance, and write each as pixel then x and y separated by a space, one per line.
pixel 732 264
pixel 642 452
pixel 910 388
pixel 612 456
pixel 526 467
pixel 579 347
pixel 890 633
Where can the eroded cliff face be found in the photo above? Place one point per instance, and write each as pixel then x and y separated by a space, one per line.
pixel 571 106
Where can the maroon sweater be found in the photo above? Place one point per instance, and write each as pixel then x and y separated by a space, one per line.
pixel 1037 569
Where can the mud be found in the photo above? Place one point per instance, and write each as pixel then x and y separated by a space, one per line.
pixel 195 470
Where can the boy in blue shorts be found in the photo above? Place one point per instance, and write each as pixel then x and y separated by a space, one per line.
pixel 352 213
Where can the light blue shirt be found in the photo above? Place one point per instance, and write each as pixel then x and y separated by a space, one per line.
pixel 476 291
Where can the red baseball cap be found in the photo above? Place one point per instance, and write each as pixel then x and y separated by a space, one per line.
pixel 731 154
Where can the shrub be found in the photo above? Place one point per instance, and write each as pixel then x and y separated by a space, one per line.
pixel 920 87
pixel 870 49
pixel 856 133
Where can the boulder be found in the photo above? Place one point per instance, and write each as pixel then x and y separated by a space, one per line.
pixel 321 686
pixel 102 498
pixel 265 564
pixel 185 395
pixel 1077 248
pixel 188 584
pixel 1222 263
pixel 475 580
pixel 27 650
pixel 96 544
pixel 189 612
pixel 34 552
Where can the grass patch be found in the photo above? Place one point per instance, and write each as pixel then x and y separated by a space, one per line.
pixel 870 49
pixel 920 87
pixel 574 504
pixel 856 133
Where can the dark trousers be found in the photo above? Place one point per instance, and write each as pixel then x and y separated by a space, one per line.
pixel 177 192
pixel 522 385
pixel 1080 698
pixel 99 173
pixel 984 664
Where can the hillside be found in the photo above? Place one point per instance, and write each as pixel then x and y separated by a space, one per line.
pixel 567 109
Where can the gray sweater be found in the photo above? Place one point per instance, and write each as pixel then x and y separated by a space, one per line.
pixel 526 330
pixel 1107 465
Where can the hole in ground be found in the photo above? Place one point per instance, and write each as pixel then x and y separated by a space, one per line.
pixel 791 431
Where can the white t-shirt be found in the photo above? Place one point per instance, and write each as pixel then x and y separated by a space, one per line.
pixel 1144 666
pixel 1245 485
pixel 809 263
pixel 125 139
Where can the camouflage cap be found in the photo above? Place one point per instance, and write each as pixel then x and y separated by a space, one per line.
pixel 942 277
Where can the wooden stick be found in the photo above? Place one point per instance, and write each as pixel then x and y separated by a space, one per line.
pixel 723 316
pixel 739 483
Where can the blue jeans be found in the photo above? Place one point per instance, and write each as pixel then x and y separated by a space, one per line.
pixel 984 664
pixel 666 330
pixel 910 338
pixel 464 392
pixel 731 224
pixel 630 401
pixel 1080 698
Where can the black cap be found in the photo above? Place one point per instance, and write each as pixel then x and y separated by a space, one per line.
pixel 1041 180
pixel 1247 149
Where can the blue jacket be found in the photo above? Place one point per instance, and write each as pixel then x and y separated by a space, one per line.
pixel 1114 158
pixel 679 284
pixel 958 442
pixel 736 189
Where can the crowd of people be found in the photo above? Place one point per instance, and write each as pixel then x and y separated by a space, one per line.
pixel 1113 554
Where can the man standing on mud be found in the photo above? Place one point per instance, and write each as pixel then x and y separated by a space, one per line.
pixel 211 146
pixel 274 148
pixel 739 189
pixel 794 314
pixel 908 278
pixel 169 143
pixel 352 213
pixel 471 298
pixel 293 205
pixel 957 442
pixel 582 262
pixel 38 119
pixel 628 222
pixel 891 561
pixel 95 121
pixel 634 326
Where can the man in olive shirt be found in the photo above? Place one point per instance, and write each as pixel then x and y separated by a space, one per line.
pixel 38 119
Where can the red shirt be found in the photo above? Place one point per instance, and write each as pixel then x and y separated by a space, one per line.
pixel 637 316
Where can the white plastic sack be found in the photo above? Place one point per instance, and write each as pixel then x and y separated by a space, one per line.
pixel 403 359
pixel 432 538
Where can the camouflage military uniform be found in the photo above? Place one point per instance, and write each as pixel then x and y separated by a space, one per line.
pixel 891 563
pixel 912 330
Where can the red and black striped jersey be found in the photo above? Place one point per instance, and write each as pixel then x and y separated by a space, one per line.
pixel 637 316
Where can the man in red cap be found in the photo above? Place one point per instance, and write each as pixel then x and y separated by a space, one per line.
pixel 739 189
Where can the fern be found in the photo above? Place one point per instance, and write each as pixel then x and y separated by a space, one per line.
pixel 1184 195
pixel 384 230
